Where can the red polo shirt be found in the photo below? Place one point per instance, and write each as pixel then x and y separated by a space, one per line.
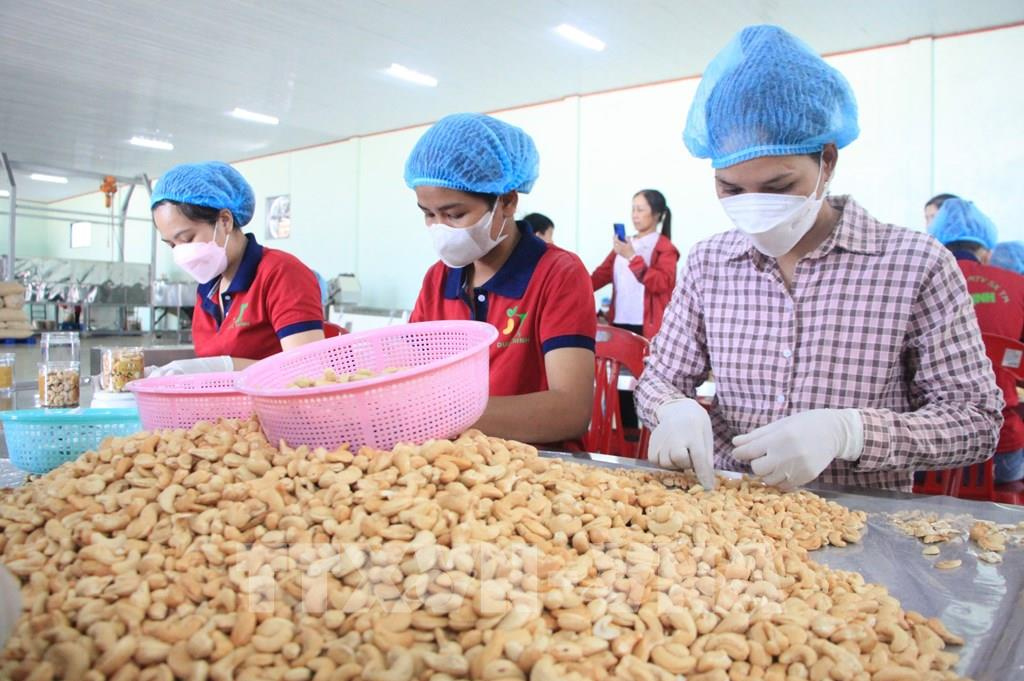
pixel 272 296
pixel 540 300
pixel 998 297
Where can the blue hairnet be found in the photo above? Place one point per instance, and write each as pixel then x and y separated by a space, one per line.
pixel 960 220
pixel 768 94
pixel 473 153
pixel 212 184
pixel 1009 255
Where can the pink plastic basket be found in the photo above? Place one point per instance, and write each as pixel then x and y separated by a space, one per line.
pixel 442 390
pixel 182 401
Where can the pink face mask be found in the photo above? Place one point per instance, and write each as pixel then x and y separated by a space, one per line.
pixel 203 260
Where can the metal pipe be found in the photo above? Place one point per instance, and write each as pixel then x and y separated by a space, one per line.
pixel 72 172
pixel 66 218
pixel 123 221
pixel 12 218
pixel 152 258
pixel 72 213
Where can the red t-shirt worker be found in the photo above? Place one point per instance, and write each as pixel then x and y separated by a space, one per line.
pixel 468 170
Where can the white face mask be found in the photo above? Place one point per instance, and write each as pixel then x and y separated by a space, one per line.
pixel 460 246
pixel 204 260
pixel 775 223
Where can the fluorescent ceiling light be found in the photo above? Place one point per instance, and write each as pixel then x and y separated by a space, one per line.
pixel 150 143
pixel 4 193
pixel 56 179
pixel 247 115
pixel 407 74
pixel 577 36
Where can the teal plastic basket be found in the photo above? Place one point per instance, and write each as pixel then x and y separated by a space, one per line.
pixel 39 440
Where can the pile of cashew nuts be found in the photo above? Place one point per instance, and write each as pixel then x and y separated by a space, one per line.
pixel 210 554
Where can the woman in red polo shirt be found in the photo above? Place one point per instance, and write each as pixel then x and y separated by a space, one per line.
pixel 468 170
pixel 252 302
pixel 642 270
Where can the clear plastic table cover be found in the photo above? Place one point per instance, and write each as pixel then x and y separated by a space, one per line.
pixel 982 602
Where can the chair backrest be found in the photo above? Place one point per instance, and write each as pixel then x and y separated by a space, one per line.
pixel 1006 354
pixel 332 330
pixel 975 482
pixel 625 347
pixel 938 482
pixel 615 348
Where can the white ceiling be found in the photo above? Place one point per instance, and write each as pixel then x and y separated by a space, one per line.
pixel 79 79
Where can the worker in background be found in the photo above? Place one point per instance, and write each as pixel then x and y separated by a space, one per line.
pixel 467 171
pixel 252 302
pixel 998 296
pixel 934 204
pixel 642 272
pixel 1009 255
pixel 642 268
pixel 843 349
pixel 542 226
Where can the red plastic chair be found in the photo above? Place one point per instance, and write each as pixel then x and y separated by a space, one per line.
pixel 977 482
pixel 332 330
pixel 936 482
pixel 615 348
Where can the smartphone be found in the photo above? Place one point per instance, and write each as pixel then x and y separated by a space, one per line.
pixel 620 231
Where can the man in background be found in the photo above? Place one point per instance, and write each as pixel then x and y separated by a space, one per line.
pixel 934 204
pixel 998 296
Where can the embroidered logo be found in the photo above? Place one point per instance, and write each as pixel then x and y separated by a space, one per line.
pixel 513 330
pixel 239 322
pixel 513 314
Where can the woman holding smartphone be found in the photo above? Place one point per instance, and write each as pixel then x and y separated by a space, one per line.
pixel 641 269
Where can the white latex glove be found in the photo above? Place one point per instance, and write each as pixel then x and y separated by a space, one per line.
pixel 199 365
pixel 795 450
pixel 683 439
pixel 10 604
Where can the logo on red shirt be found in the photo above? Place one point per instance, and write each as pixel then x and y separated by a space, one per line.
pixel 513 314
pixel 514 325
pixel 239 323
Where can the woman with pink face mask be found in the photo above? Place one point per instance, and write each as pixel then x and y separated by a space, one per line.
pixel 252 301
pixel 843 349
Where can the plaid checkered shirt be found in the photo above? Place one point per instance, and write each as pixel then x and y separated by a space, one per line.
pixel 878 319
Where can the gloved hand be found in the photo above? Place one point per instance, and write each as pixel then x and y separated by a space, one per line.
pixel 683 439
pixel 10 604
pixel 795 450
pixel 199 365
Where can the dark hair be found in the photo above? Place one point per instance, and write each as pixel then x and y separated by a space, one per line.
pixel 940 199
pixel 656 200
pixel 196 213
pixel 539 224
pixel 969 246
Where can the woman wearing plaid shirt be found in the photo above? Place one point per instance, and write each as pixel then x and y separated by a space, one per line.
pixel 843 348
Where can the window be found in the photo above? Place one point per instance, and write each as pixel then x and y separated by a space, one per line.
pixel 81 234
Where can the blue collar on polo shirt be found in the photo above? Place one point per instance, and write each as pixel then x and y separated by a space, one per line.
pixel 514 276
pixel 961 254
pixel 251 257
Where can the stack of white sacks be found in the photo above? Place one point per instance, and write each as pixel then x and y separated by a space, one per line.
pixel 13 320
